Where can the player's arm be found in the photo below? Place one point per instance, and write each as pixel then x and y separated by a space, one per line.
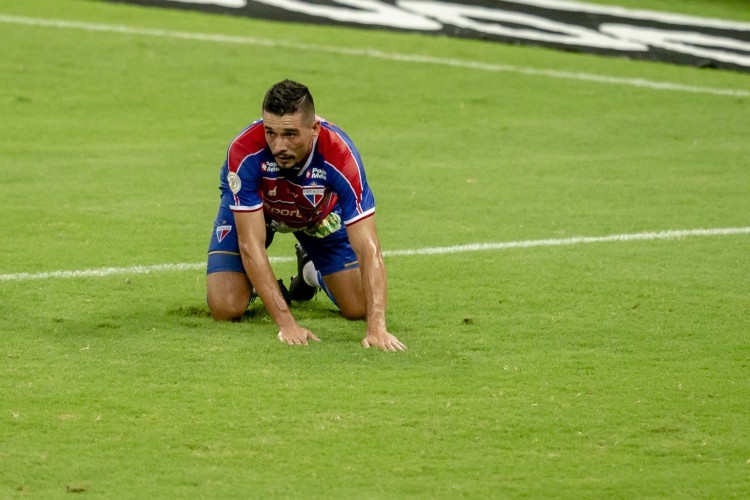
pixel 251 232
pixel 364 241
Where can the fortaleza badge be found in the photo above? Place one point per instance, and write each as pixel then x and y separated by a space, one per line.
pixel 314 194
pixel 222 232
pixel 234 182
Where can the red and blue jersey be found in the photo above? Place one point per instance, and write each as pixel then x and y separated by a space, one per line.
pixel 331 180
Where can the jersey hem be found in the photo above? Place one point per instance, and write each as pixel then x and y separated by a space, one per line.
pixel 360 217
pixel 241 208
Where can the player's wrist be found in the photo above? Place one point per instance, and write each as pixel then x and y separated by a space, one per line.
pixel 286 322
pixel 377 331
pixel 376 322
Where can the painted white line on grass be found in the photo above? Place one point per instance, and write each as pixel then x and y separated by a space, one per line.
pixel 113 271
pixel 474 247
pixel 375 54
pixel 662 235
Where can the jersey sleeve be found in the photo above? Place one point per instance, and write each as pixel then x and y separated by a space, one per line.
pixel 244 184
pixel 354 197
pixel 349 182
pixel 243 173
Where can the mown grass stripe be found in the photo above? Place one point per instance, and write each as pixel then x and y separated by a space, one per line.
pixel 376 54
pixel 473 247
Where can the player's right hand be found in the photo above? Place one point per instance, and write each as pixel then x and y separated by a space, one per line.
pixel 296 335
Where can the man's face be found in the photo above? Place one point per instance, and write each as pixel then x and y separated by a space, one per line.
pixel 289 137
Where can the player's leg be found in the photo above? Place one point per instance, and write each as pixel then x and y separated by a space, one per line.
pixel 336 270
pixel 228 289
pixel 228 294
pixel 345 288
pixel 306 283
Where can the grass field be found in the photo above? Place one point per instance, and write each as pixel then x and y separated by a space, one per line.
pixel 613 368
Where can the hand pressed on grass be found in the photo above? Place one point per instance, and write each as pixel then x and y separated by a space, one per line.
pixel 383 340
pixel 296 335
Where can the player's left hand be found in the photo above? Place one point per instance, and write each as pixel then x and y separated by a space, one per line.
pixel 383 340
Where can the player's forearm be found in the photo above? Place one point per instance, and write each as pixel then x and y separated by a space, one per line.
pixel 364 241
pixel 264 281
pixel 374 282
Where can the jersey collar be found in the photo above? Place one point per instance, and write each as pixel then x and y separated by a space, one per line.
pixel 309 157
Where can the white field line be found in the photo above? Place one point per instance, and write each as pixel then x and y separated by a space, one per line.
pixel 372 53
pixel 474 247
pixel 579 240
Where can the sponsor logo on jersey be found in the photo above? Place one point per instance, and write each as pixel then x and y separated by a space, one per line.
pixel 314 194
pixel 269 166
pixel 234 182
pixel 316 173
pixel 222 232
pixel 284 212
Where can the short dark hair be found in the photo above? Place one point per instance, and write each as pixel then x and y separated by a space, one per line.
pixel 288 97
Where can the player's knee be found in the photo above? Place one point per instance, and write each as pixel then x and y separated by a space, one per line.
pixel 227 306
pixel 227 311
pixel 354 312
pixel 227 294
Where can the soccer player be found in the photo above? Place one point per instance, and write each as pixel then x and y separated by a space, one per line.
pixel 292 171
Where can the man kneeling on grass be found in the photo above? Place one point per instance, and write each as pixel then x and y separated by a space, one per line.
pixel 292 171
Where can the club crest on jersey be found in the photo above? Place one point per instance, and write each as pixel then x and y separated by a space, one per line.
pixel 234 182
pixel 222 232
pixel 314 194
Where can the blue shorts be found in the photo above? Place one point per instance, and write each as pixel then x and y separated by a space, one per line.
pixel 330 254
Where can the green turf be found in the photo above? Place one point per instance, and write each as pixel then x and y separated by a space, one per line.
pixel 613 369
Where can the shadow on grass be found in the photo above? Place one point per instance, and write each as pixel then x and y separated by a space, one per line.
pixel 255 311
